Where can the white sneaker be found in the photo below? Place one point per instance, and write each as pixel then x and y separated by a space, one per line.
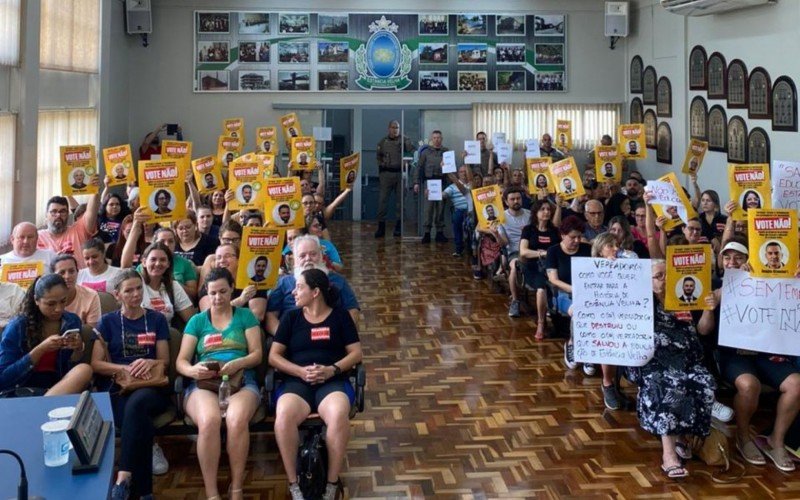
pixel 721 412
pixel 569 358
pixel 160 464
pixel 589 369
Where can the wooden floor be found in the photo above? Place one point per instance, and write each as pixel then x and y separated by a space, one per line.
pixel 463 403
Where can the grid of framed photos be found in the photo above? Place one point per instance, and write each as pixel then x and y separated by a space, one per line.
pixel 237 51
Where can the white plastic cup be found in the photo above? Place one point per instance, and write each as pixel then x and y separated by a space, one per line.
pixel 56 443
pixel 63 413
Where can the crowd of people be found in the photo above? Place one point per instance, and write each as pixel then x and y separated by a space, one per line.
pixel 181 276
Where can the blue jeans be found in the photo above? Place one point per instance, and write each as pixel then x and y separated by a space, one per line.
pixel 458 228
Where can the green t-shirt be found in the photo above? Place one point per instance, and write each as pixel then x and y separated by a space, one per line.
pixel 223 346
pixel 182 270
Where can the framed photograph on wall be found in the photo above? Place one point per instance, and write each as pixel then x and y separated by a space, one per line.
pixel 293 52
pixel 255 51
pixel 213 81
pixel 650 128
pixel 293 24
pixel 548 25
pixel 333 24
pixel 332 80
pixel 664 143
pixel 549 81
pixel 784 105
pixel 333 52
pixel 473 81
pixel 511 81
pixel 509 25
pixel 636 114
pixel 251 80
pixel 213 22
pixel 664 98
pixel 254 23
pixel 717 129
pixel 758 148
pixel 434 80
pixel 760 94
pixel 698 76
pixel 717 76
pixel 471 24
pixel 649 79
pixel 637 67
pixel 213 52
pixel 737 140
pixel 294 80
pixel 432 53
pixel 510 53
pixel 433 24
pixel 698 119
pixel 472 53
pixel 549 53
pixel 737 85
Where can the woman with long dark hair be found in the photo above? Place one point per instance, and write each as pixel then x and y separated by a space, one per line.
pixel 34 350
pixel 161 293
pixel 315 346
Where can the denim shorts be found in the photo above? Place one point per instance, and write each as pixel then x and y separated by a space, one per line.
pixel 248 384
pixel 771 373
pixel 563 301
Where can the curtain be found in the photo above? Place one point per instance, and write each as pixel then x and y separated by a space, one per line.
pixel 9 32
pixel 8 135
pixel 70 35
pixel 530 121
pixel 59 128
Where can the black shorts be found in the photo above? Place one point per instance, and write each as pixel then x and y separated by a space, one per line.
pixel 534 277
pixel 314 394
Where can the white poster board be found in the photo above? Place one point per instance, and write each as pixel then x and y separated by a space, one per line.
pixel 760 314
pixel 449 162
pixel 504 153
pixel 785 184
pixel 434 187
pixel 665 194
pixel 612 304
pixel 473 149
pixel 532 148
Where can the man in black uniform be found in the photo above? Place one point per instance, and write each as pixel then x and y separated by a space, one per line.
pixel 390 162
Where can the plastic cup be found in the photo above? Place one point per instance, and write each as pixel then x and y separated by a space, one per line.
pixel 56 443
pixel 63 413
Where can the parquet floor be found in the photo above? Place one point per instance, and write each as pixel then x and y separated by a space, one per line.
pixel 463 403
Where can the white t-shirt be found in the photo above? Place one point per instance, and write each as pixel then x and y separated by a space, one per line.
pixel 100 282
pixel 41 254
pixel 159 300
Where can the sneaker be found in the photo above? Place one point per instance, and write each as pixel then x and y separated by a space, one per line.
pixel 160 464
pixel 332 490
pixel 294 490
pixel 589 369
pixel 440 238
pixel 121 491
pixel 426 238
pixel 610 397
pixel 457 254
pixel 513 310
pixel 477 275
pixel 721 412
pixel 569 357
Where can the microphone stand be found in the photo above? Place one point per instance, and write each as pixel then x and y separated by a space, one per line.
pixel 22 489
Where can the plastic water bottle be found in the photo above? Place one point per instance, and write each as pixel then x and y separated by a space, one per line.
pixel 224 395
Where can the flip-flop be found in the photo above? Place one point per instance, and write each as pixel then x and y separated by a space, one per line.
pixel 674 471
pixel 779 456
pixel 683 450
pixel 750 452
pixel 794 454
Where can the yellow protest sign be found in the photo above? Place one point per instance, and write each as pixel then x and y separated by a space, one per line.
pixel 539 175
pixel 631 141
pixel 228 149
pixel 266 140
pixel 750 188
pixel 246 180
pixel 564 134
pixel 268 165
pixel 283 208
pixel 291 126
pixel 233 127
pixel 671 212
pixel 303 155
pixel 180 151
pixel 694 156
pixel 772 242
pixel 607 164
pixel 22 273
pixel 162 190
pixel 567 179
pixel 259 257
pixel 348 170
pixel 688 277
pixel 489 206
pixel 118 161
pixel 207 175
pixel 78 165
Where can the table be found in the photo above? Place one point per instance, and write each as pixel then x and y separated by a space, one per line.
pixel 20 420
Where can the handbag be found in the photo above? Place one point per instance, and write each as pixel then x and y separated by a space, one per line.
pixel 212 384
pixel 714 450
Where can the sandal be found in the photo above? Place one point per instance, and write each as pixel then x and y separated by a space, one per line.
pixel 750 452
pixel 539 333
pixel 683 450
pixel 779 456
pixel 674 471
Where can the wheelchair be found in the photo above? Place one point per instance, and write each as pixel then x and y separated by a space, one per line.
pixel 312 454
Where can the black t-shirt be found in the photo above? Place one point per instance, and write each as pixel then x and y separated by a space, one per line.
pixel 557 259
pixel 640 249
pixel 715 228
pixel 321 343
pixel 205 247
pixel 538 240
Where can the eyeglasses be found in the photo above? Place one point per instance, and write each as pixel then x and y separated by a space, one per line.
pixel 693 229
pixel 228 241
pixel 659 276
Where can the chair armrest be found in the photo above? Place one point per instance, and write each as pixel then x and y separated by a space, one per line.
pixel 361 383
pixel 178 388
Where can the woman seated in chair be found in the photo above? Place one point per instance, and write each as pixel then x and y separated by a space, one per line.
pixel 134 341
pixel 34 353
pixel 226 340
pixel 676 391
pixel 315 346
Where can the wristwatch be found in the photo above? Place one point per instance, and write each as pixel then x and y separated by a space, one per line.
pixel 336 370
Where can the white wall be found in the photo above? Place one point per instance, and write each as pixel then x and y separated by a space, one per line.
pixel 763 36
pixel 158 78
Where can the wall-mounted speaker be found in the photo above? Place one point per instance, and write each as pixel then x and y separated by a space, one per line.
pixel 616 19
pixel 138 17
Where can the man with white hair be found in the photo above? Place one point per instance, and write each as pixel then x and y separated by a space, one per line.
pixel 24 241
pixel 307 254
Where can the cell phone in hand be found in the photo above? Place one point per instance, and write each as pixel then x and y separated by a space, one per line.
pixel 212 365
pixel 172 128
pixel 73 331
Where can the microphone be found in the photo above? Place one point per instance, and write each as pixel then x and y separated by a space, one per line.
pixel 22 489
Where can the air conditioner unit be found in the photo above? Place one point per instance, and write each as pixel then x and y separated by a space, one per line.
pixel 708 7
